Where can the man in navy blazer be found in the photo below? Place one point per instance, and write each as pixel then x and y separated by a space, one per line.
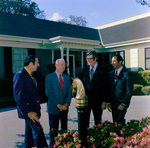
pixel 26 94
pixel 58 91
pixel 121 86
pixel 96 86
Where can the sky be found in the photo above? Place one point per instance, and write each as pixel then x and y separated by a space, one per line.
pixel 96 12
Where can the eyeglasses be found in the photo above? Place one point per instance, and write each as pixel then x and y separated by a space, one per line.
pixel 89 59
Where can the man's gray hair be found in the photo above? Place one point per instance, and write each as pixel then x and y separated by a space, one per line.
pixel 58 60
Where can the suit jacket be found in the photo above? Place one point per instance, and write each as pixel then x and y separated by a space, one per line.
pixel 96 90
pixel 26 94
pixel 121 89
pixel 55 94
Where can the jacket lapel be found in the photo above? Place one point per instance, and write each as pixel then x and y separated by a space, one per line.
pixel 28 77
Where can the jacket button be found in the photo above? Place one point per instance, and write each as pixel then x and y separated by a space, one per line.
pixel 27 103
pixel 37 101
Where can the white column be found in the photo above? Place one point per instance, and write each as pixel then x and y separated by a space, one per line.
pixel 53 56
pixel 82 58
pixel 62 52
pixel 67 61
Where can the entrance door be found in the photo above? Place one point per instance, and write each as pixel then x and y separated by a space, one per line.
pixel 71 65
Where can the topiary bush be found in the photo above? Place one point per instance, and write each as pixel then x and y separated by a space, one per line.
pixel 146 90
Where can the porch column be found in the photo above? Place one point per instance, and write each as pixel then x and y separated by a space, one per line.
pixel 62 52
pixel 67 61
pixel 52 56
pixel 82 58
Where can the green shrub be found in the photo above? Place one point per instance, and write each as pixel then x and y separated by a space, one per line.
pixel 146 90
pixel 137 89
pixel 141 77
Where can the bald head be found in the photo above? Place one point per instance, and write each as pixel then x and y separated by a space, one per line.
pixel 60 65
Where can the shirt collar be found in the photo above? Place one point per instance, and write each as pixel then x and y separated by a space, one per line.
pixel 95 66
pixel 58 74
pixel 119 70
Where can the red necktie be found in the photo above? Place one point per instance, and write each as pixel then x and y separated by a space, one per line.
pixel 61 82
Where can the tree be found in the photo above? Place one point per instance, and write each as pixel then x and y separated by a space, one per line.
pixel 144 2
pixel 74 20
pixel 21 7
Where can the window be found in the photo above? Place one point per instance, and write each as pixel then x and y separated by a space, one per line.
pixel 147 59
pixel 18 56
pixel 119 53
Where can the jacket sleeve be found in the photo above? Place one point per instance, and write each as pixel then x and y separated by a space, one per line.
pixel 129 89
pixel 49 92
pixel 19 93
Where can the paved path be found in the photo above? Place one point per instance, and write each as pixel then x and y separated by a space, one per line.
pixel 12 128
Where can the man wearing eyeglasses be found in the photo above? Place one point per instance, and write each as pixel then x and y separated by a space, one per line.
pixel 96 83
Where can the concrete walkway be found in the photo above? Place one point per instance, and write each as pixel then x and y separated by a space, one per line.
pixel 12 128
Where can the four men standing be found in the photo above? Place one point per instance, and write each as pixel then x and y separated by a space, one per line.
pixel 100 86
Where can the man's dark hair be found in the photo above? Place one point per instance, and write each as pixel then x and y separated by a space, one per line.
pixel 119 58
pixel 94 53
pixel 29 59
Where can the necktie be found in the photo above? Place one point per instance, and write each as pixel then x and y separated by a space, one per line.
pixel 91 73
pixel 34 81
pixel 61 82
pixel 116 75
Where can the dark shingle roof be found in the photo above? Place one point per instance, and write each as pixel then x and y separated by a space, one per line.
pixel 136 29
pixel 17 25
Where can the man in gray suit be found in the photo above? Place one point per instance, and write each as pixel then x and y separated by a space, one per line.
pixel 121 86
pixel 58 91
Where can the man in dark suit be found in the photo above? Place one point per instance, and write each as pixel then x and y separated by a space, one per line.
pixel 96 83
pixel 121 86
pixel 58 91
pixel 26 94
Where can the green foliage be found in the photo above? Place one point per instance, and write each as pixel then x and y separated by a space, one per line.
pixel 141 81
pixel 144 2
pixel 21 7
pixel 146 90
pixel 137 89
pixel 102 135
pixel 141 77
pixel 74 20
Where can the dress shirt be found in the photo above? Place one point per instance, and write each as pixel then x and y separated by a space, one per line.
pixel 58 75
pixel 95 66
pixel 29 72
pixel 118 70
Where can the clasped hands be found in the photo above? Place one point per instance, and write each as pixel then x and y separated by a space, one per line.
pixel 62 107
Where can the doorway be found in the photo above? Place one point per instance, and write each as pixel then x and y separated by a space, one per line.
pixel 71 65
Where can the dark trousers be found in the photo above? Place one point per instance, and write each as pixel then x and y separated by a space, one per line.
pixel 97 113
pixel 118 115
pixel 54 124
pixel 34 135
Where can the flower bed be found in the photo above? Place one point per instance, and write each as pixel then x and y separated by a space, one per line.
pixel 135 134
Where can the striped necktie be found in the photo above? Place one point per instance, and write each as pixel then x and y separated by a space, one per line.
pixel 116 76
pixel 34 81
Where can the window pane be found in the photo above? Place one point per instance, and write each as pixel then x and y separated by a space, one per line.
pixel 147 53
pixel 147 63
pixel 18 56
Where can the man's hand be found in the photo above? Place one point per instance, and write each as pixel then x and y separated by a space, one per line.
pixel 33 116
pixel 63 107
pixel 121 107
pixel 109 107
pixel 103 106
